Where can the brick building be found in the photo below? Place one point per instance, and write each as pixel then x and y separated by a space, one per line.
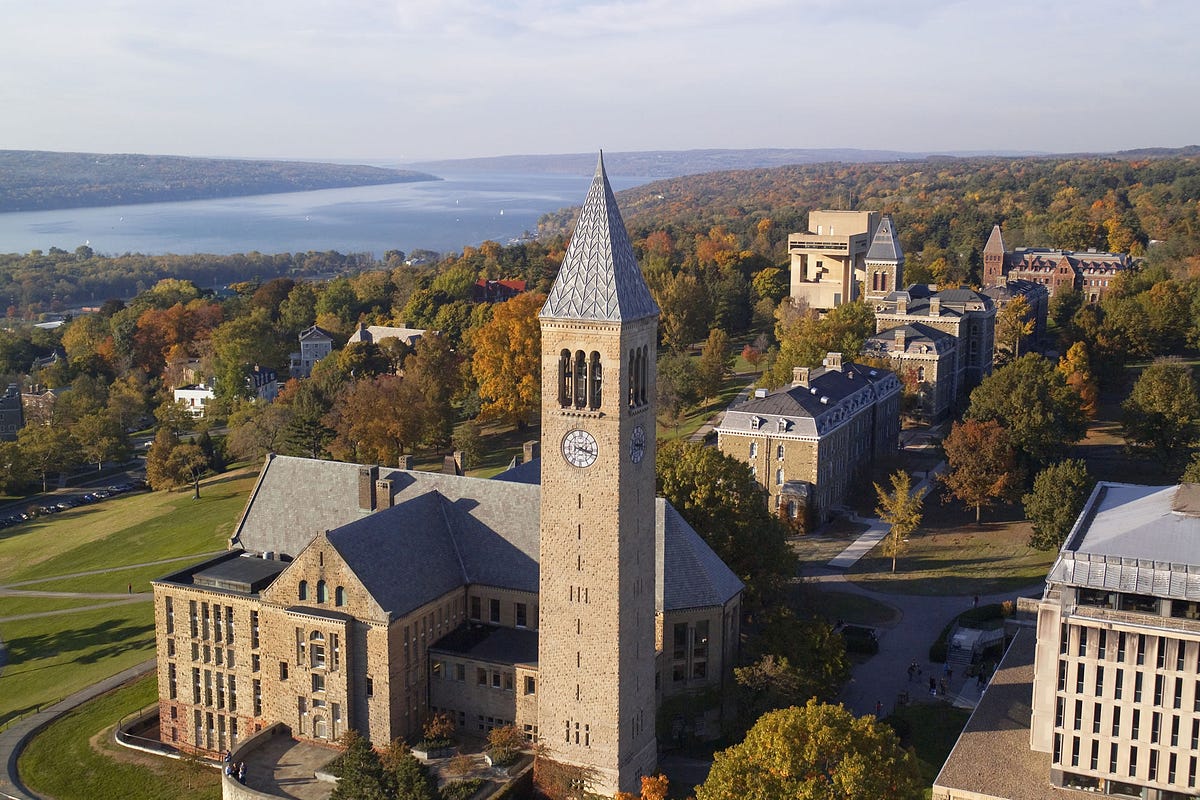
pixel 1091 272
pixel 809 442
pixel 562 597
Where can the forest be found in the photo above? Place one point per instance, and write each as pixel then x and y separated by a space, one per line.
pixel 36 180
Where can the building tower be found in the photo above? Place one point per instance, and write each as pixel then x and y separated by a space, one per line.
pixel 884 262
pixel 993 259
pixel 596 632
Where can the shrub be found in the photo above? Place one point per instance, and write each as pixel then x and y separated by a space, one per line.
pixel 461 790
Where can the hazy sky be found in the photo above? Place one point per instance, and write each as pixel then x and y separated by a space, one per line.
pixel 412 79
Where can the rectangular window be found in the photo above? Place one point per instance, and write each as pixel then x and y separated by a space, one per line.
pixel 1095 760
pixel 1099 681
pixel 1137 724
pixel 1116 723
pixel 257 686
pixel 1121 646
pixel 1112 758
pixel 1155 725
pixel 481 676
pixel 1152 773
pixel 1058 739
pixel 1079 678
pixel 1096 718
pixel 779 452
pixel 1180 649
pixel 522 615
pixel 1174 731
pixel 1160 656
pixel 1119 686
pixel 494 608
pixel 476 608
pixel 1137 687
pixel 679 651
pixel 1141 649
pixel 1158 690
pixel 318 682
pixel 233 693
pixel 1133 757
pixel 1078 723
pixel 508 681
pixel 370 687
pixel 1074 751
pixel 460 672
pixel 1058 712
pixel 1103 647
pixel 1062 676
pixel 495 680
pixel 171 681
pixel 1083 637
pixel 170 615
pixel 254 629
pixel 530 685
pixel 283 670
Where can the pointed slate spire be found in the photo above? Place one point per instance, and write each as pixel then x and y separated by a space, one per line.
pixel 995 242
pixel 885 246
pixel 599 279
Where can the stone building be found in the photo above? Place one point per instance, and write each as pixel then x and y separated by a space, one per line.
pixel 925 359
pixel 810 442
pixel 377 333
pixel 884 269
pixel 1106 699
pixel 1035 294
pixel 830 260
pixel 562 597
pixel 12 418
pixel 965 314
pixel 1092 272
pixel 315 344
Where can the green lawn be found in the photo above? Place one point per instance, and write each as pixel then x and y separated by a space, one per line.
pixel 951 555
pixel 51 657
pixel 11 606
pixel 835 606
pixel 124 530
pixel 100 768
pixel 931 729
pixel 698 415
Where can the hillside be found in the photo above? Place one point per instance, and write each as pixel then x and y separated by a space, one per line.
pixel 36 180
pixel 673 163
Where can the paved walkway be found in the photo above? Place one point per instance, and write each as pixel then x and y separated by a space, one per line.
pixel 876 528
pixel 13 738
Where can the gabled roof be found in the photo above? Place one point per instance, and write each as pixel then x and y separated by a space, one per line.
pixel 688 573
pixel 377 333
pixel 916 334
pixel 599 279
pixel 315 332
pixel 441 532
pixel 885 246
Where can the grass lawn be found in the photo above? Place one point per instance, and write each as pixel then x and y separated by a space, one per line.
pixel 698 415
pixel 951 555
pixel 115 581
pixel 131 529
pixel 98 767
pixel 11 606
pixel 836 606
pixel 931 729
pixel 51 657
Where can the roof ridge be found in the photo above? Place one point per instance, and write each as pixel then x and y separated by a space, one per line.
pixel 450 528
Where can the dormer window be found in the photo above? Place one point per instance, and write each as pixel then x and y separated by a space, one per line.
pixel 782 425
pixel 756 423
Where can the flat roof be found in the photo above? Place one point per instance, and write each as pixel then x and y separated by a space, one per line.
pixel 490 643
pixel 242 574
pixel 992 759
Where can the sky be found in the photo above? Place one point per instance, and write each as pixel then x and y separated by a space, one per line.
pixel 406 80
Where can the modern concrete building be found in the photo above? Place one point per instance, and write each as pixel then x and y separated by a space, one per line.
pixel 562 597
pixel 830 260
pixel 809 442
pixel 1091 272
pixel 1111 690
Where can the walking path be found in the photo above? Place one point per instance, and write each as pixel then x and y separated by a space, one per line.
pixel 876 528
pixel 14 738
pixel 708 427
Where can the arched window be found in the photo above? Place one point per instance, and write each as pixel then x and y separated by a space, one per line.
pixel 632 381
pixel 642 374
pixel 597 381
pixel 753 449
pixel 581 383
pixel 316 650
pixel 303 590
pixel 339 596
pixel 921 374
pixel 322 592
pixel 779 477
pixel 564 378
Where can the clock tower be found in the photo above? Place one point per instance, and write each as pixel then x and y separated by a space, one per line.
pixel 596 701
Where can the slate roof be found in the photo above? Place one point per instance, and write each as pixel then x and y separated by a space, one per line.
pixel 315 332
pixel 599 279
pixel 688 574
pixel 377 333
pixel 995 242
pixel 800 407
pixel 885 246
pixel 442 531
pixel 1139 539
pixel 490 643
pixel 915 334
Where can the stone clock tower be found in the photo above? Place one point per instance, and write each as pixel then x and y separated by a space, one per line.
pixel 596 640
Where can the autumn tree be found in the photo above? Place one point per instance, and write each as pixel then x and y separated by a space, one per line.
pixel 1160 416
pixel 720 499
pixel 791 660
pixel 100 438
pixel 814 751
pixel 1031 400
pixel 982 464
pixel 14 468
pixel 506 360
pixel 1076 369
pixel 654 787
pixel 187 463
pixel 900 508
pixel 1190 475
pixel 47 449
pixel 504 743
pixel 377 420
pixel 684 309
pixel 433 367
pixel 1059 492
pixel 715 361
pixel 1013 323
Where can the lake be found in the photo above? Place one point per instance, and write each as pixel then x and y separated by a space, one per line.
pixel 440 215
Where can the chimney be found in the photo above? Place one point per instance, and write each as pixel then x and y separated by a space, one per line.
pixel 935 306
pixel 833 361
pixel 451 465
pixel 366 487
pixel 406 462
pixel 383 492
pixel 899 340
pixel 902 303
pixel 531 450
pixel 800 376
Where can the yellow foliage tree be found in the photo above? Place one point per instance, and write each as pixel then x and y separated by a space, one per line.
pixel 507 360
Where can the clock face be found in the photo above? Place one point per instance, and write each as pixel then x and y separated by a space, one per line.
pixel 637 445
pixel 579 448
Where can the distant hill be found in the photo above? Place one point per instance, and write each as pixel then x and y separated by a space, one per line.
pixel 676 163
pixel 37 180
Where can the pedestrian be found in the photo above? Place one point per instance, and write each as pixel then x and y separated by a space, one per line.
pixel 932 685
pixel 912 671
pixel 227 757
pixel 979 679
pixel 949 674
pixel 879 709
pixel 228 770
pixel 242 772
pixel 943 687
pixel 976 601
pixel 946 668
pixel 131 588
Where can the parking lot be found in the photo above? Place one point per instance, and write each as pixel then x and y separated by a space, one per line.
pixel 43 505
